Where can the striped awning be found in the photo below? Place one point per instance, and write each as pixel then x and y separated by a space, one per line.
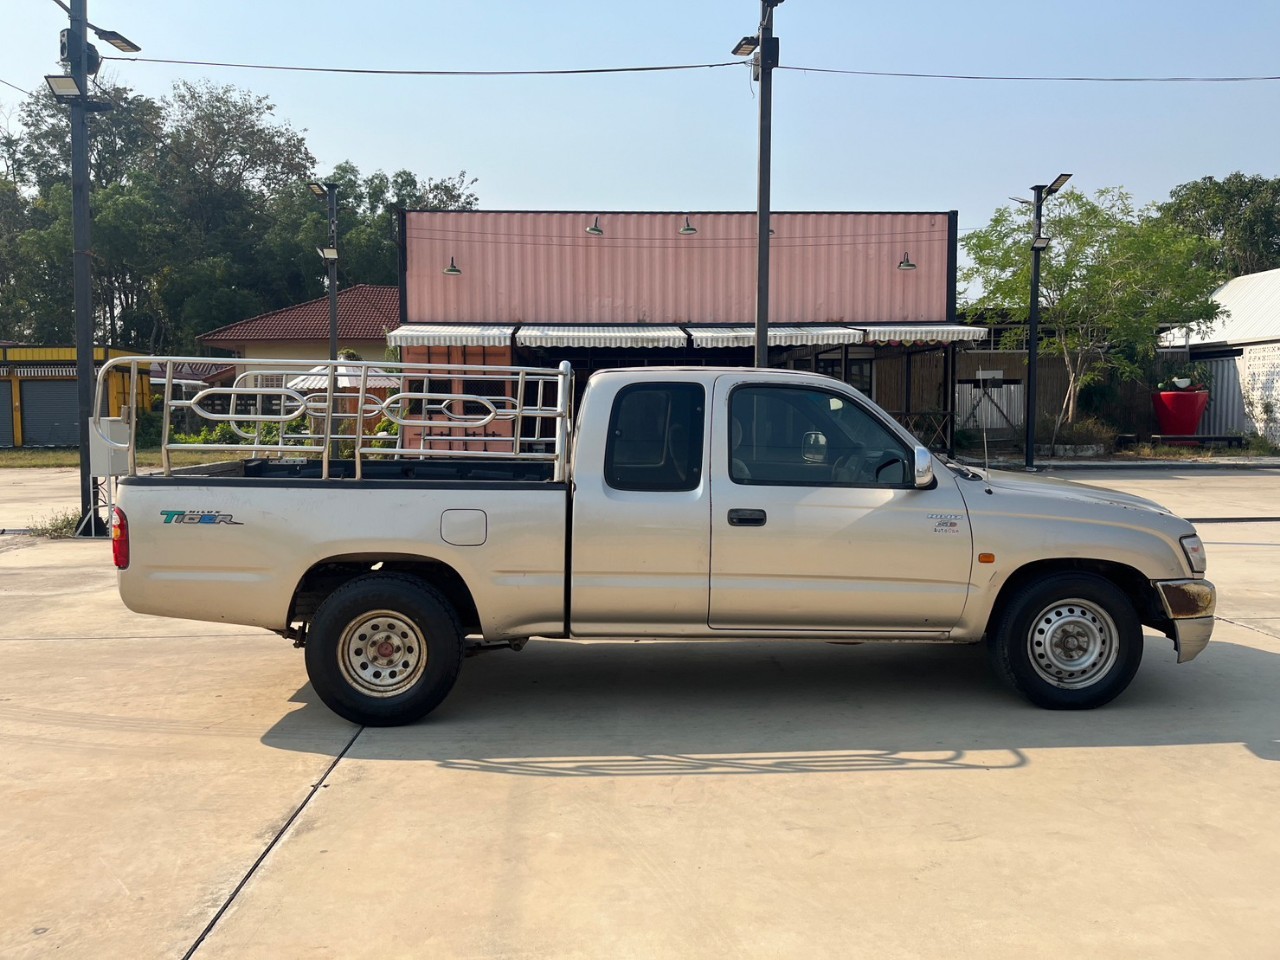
pixel 64 370
pixel 564 335
pixel 450 335
pixel 923 333
pixel 783 335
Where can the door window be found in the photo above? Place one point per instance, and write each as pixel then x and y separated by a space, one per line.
pixel 803 436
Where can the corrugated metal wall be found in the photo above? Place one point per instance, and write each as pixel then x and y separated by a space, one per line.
pixel 1000 410
pixel 1051 375
pixel 6 413
pixel 49 413
pixel 542 267
pixel 1225 413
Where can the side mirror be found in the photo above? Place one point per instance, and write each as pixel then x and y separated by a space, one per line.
pixel 813 447
pixel 923 468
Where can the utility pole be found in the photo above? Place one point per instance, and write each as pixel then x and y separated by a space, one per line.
pixel 332 264
pixel 81 62
pixel 91 524
pixel 768 60
pixel 765 48
pixel 1039 242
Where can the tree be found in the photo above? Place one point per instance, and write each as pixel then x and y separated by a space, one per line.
pixel 1112 280
pixel 201 216
pixel 1240 215
pixel 367 216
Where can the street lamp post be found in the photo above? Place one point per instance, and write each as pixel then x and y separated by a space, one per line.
pixel 765 46
pixel 329 254
pixel 1039 242
pixel 82 61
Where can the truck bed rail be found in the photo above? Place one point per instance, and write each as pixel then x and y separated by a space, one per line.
pixel 350 410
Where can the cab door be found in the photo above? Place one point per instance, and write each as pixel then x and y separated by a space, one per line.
pixel 815 521
pixel 641 543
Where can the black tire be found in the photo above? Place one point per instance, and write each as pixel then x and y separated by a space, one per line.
pixel 384 650
pixel 1067 642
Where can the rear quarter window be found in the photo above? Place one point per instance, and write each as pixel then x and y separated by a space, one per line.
pixel 655 437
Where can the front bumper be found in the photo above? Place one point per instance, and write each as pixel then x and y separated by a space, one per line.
pixel 1189 605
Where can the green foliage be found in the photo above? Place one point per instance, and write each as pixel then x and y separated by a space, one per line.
pixel 222 433
pixel 150 426
pixel 1239 215
pixel 57 526
pixel 1085 431
pixel 201 215
pixel 295 432
pixel 1258 445
pixel 392 431
pixel 1198 375
pixel 1114 277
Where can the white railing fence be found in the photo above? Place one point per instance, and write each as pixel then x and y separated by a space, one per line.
pixel 343 409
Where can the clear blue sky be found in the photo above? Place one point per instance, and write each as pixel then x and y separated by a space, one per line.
pixel 688 140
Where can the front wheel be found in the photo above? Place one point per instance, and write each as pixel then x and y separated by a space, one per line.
pixel 384 650
pixel 1067 642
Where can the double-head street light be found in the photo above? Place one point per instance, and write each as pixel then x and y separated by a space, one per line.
pixel 329 254
pixel 1039 243
pixel 81 61
pixel 764 46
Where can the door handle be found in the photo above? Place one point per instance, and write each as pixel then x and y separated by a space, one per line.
pixel 747 518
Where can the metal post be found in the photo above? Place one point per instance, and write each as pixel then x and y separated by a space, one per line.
pixel 1033 333
pixel 82 295
pixel 332 189
pixel 768 53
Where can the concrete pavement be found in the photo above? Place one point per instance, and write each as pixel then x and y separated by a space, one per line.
pixel 34 494
pixel 633 800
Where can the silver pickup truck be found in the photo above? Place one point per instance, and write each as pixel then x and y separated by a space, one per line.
pixel 391 518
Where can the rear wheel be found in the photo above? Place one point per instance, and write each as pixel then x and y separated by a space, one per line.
pixel 1067 642
pixel 384 650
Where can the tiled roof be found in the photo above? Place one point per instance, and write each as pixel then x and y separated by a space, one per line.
pixel 365 312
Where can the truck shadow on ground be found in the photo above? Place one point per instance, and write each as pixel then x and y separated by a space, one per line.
pixel 569 710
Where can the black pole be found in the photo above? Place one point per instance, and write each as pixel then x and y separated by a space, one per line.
pixel 768 53
pixel 332 190
pixel 1033 331
pixel 82 294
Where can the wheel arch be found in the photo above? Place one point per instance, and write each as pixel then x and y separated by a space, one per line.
pixel 1129 580
pixel 327 575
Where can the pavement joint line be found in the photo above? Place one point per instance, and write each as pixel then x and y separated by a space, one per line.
pixel 1240 623
pixel 315 788
pixel 141 636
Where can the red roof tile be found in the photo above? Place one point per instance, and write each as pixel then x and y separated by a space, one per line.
pixel 365 312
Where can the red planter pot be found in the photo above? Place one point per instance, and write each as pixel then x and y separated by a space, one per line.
pixel 1179 411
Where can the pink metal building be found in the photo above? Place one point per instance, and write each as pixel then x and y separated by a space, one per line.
pixel 855 295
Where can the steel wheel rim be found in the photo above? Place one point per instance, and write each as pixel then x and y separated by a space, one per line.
pixel 1072 644
pixel 382 653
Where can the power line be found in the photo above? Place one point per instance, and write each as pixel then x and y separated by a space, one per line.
pixel 975 76
pixel 431 73
pixel 695 66
pixel 16 87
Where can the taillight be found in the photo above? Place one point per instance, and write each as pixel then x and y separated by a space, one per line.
pixel 120 538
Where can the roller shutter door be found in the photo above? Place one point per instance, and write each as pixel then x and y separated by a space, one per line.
pixel 49 413
pixel 6 413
